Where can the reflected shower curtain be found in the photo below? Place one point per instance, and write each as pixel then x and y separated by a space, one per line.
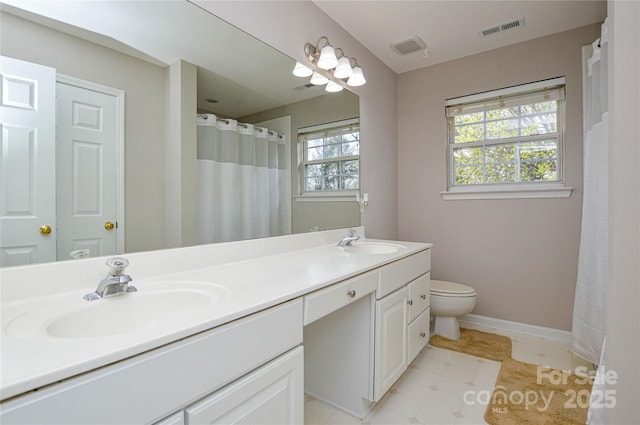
pixel 242 181
pixel 589 310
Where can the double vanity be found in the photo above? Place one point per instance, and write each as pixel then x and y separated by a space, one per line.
pixel 223 333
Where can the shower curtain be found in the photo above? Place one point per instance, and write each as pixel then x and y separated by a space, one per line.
pixel 242 181
pixel 590 302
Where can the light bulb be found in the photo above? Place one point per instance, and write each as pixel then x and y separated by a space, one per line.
pixel 318 79
pixel 333 87
pixel 357 78
pixel 343 70
pixel 327 58
pixel 301 71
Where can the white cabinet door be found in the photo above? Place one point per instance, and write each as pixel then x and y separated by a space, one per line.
pixel 418 335
pixel 391 341
pixel 272 394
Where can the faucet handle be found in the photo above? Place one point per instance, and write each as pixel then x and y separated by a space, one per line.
pixel 117 264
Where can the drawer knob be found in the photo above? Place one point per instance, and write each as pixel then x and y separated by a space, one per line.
pixel 410 302
pixel 352 293
pixel 423 334
pixel 423 296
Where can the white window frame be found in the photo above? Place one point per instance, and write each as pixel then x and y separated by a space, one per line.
pixel 326 195
pixel 553 189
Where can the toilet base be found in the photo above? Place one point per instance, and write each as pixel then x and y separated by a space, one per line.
pixel 447 327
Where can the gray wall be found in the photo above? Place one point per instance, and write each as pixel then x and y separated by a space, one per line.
pixel 520 255
pixel 144 115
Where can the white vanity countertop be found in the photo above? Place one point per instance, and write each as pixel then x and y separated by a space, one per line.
pixel 289 267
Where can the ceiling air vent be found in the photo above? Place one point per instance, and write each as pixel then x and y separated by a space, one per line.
pixel 502 27
pixel 409 45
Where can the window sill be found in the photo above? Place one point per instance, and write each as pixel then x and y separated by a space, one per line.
pixel 350 196
pixel 533 191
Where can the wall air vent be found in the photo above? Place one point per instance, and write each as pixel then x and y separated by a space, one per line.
pixel 304 86
pixel 409 45
pixel 502 27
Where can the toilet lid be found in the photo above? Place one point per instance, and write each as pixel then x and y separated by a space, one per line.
pixel 442 287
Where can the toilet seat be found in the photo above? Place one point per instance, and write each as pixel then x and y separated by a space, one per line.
pixel 451 289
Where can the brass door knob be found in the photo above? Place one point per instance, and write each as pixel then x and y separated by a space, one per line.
pixel 109 225
pixel 45 230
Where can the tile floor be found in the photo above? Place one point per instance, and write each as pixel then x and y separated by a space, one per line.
pixel 432 390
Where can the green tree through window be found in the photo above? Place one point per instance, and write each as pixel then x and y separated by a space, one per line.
pixel 514 139
pixel 331 157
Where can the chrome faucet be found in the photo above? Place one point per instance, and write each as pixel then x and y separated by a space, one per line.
pixel 115 283
pixel 350 237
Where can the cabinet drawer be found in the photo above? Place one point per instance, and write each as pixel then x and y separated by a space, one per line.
pixel 325 301
pixel 401 272
pixel 272 394
pixel 418 295
pixel 418 334
pixel 175 419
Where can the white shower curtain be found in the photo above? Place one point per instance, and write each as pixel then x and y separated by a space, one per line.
pixel 590 304
pixel 242 181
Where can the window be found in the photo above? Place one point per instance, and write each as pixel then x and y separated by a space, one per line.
pixel 330 157
pixel 507 141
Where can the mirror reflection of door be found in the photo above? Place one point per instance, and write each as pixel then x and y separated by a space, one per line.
pixel 27 182
pixel 66 134
pixel 87 169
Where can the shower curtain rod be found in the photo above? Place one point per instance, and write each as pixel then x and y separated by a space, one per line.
pixel 241 124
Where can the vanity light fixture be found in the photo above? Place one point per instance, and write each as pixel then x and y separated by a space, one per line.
pixel 318 79
pixel 333 87
pixel 302 71
pixel 343 69
pixel 329 66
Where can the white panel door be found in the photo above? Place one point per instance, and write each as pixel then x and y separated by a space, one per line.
pixel 87 124
pixel 391 341
pixel 27 158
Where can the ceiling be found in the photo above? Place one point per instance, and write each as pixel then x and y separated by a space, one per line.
pixel 451 28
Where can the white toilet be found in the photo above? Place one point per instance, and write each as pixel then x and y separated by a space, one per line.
pixel 449 301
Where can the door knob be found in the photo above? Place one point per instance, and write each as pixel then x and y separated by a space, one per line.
pixel 45 230
pixel 109 225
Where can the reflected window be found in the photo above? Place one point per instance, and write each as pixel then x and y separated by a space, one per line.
pixel 330 157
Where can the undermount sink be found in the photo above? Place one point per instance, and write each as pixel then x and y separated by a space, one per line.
pixel 363 247
pixel 158 304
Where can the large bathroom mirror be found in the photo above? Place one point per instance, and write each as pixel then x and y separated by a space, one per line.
pixel 164 66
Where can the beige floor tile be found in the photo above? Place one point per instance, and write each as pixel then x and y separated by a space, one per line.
pixel 388 417
pixel 435 415
pixel 439 386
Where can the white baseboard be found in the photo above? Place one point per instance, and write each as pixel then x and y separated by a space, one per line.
pixel 517 327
